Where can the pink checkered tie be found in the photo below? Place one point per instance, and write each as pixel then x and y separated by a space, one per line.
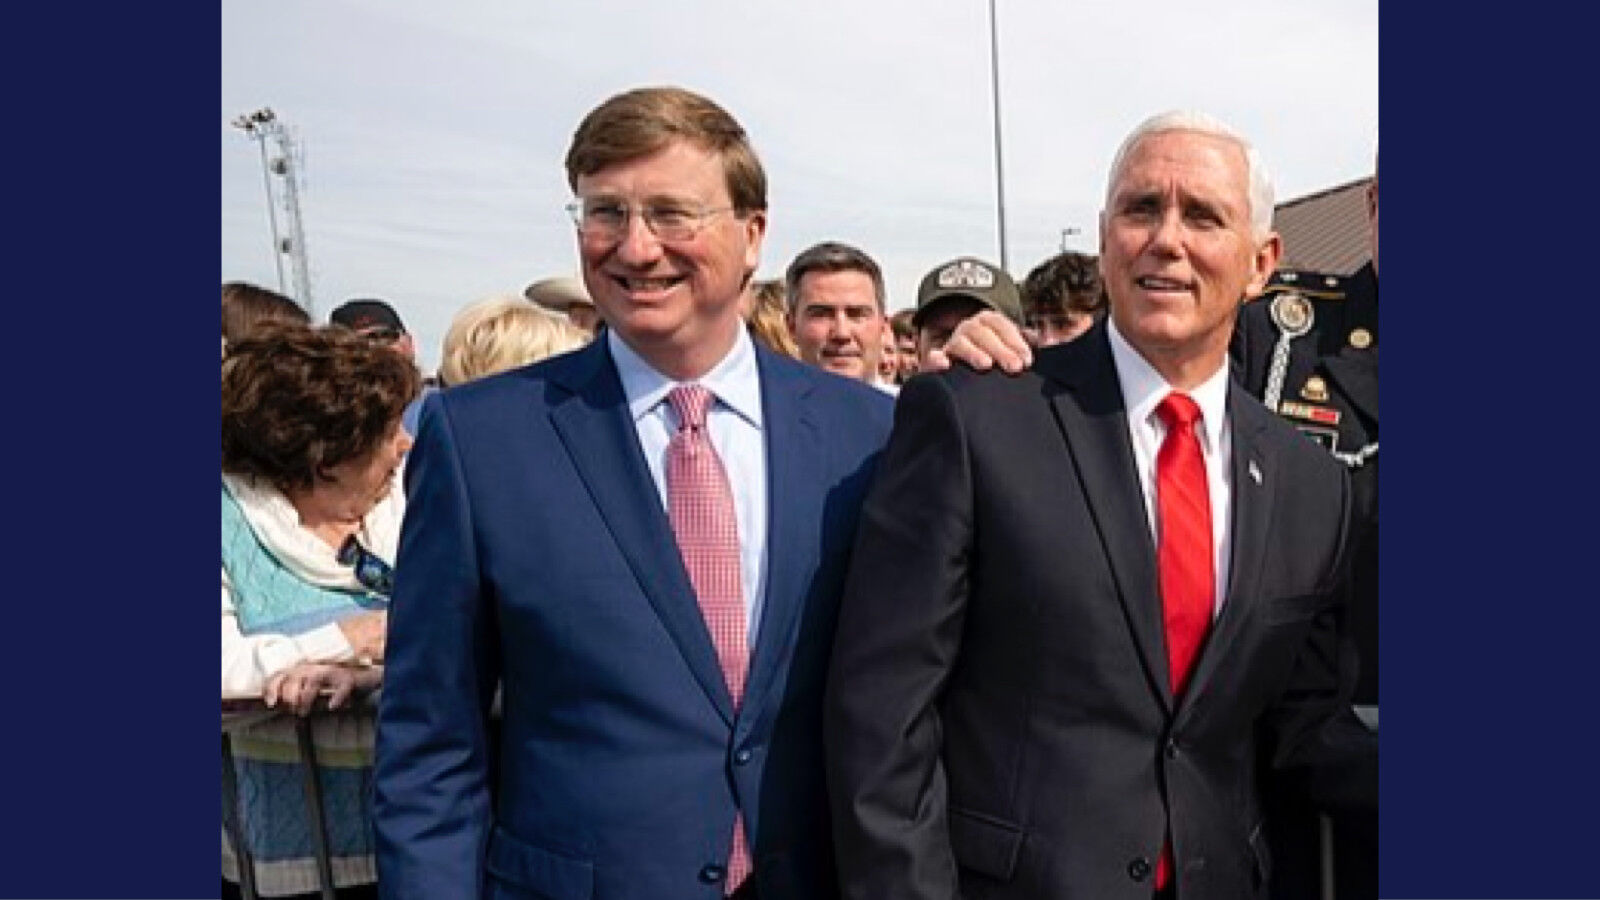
pixel 700 505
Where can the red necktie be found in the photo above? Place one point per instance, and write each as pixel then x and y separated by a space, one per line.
pixel 1188 578
pixel 700 505
pixel 1183 552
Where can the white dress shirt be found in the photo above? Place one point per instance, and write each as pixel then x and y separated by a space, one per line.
pixel 734 424
pixel 1143 389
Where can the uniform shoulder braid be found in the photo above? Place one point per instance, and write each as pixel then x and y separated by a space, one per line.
pixel 1314 320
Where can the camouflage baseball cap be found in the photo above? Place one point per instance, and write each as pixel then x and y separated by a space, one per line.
pixel 968 276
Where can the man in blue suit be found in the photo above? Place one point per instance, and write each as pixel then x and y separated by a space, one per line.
pixel 661 727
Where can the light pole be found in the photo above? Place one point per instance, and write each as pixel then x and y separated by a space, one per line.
pixel 261 125
pixel 999 172
pixel 1067 232
pixel 247 123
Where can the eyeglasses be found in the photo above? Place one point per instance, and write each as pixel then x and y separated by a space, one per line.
pixel 374 574
pixel 608 219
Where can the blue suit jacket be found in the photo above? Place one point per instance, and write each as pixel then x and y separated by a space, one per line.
pixel 536 555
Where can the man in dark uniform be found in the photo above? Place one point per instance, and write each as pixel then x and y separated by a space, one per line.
pixel 1325 328
pixel 1308 347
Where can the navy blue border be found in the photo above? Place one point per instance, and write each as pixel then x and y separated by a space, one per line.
pixel 1491 610
pixel 108 756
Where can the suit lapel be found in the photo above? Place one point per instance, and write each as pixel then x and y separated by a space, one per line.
pixel 595 427
pixel 1253 470
pixel 794 449
pixel 1095 423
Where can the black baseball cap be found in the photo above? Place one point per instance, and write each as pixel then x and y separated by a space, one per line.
pixel 366 315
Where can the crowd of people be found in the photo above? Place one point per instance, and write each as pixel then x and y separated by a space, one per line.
pixel 673 581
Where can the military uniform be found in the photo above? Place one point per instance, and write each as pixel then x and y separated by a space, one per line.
pixel 1321 331
pixel 1308 348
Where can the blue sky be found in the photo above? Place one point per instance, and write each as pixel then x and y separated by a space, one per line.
pixel 432 134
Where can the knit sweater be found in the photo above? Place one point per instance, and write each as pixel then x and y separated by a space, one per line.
pixel 280 585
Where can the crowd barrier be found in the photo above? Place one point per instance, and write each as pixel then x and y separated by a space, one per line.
pixel 239 713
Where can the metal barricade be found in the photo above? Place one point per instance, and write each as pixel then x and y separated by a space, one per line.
pixel 313 788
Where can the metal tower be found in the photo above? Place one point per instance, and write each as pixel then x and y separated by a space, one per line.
pixel 263 126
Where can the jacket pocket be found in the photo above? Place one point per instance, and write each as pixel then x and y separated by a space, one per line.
pixel 1299 608
pixel 549 873
pixel 985 844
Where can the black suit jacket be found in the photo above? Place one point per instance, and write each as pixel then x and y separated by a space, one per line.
pixel 998 716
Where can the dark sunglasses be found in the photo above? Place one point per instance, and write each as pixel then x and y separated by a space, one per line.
pixel 374 574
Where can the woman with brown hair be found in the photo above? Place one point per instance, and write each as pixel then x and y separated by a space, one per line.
pixel 245 306
pixel 311 511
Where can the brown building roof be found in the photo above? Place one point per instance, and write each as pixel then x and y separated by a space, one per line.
pixel 1325 231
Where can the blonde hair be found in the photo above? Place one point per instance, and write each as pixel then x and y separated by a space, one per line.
pixel 766 317
pixel 501 333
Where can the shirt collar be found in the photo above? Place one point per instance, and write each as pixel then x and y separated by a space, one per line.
pixel 1143 389
pixel 735 381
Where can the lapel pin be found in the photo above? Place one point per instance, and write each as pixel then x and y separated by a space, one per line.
pixel 1255 472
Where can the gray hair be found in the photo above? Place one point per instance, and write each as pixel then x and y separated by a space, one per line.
pixel 1261 191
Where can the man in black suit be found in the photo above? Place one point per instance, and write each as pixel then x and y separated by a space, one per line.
pixel 1085 601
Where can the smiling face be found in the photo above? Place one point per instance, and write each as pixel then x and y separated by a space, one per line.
pixel 1176 251
pixel 675 303
pixel 837 323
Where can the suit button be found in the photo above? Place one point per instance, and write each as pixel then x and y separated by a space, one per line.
pixel 742 757
pixel 1172 749
pixel 712 874
pixel 1139 869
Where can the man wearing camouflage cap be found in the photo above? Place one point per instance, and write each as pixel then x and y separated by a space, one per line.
pixel 954 291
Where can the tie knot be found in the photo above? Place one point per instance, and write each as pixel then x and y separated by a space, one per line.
pixel 690 402
pixel 1178 412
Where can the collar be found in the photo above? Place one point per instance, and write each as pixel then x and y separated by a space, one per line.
pixel 276 524
pixel 735 381
pixel 1143 389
